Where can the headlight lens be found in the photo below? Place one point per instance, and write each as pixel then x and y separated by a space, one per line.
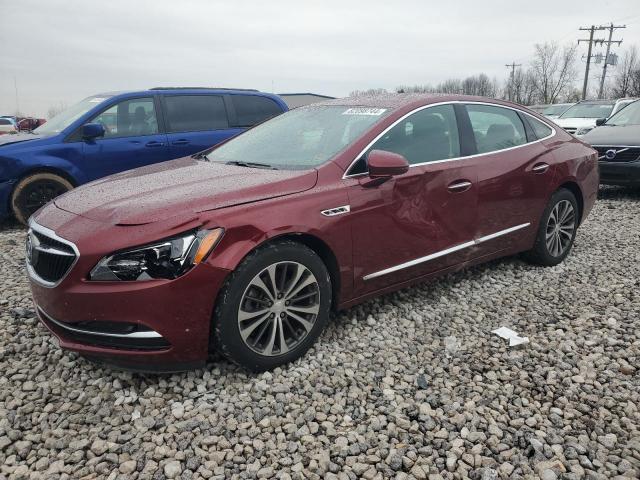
pixel 168 259
pixel 583 130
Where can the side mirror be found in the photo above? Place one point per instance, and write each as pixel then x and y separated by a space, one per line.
pixel 600 122
pixel 383 164
pixel 92 130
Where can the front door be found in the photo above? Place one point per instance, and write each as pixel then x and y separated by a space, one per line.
pixel 132 139
pixel 419 222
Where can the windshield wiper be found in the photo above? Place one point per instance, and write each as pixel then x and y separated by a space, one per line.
pixel 251 164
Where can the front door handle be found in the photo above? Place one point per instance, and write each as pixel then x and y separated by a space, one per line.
pixel 182 141
pixel 154 143
pixel 540 168
pixel 459 186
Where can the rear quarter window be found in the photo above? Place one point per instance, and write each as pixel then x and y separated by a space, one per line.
pixel 540 129
pixel 253 109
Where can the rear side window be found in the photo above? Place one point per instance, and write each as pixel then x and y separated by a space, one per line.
pixel 252 109
pixel 540 129
pixel 495 128
pixel 195 113
pixel 4 121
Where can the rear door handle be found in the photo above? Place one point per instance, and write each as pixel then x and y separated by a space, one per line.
pixel 182 141
pixel 459 186
pixel 154 143
pixel 540 168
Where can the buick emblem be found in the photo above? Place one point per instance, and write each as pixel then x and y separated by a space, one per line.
pixel 610 154
pixel 31 247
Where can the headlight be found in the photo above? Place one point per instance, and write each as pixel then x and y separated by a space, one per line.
pixel 169 258
pixel 583 130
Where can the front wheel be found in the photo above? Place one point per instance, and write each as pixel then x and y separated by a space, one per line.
pixel 557 230
pixel 35 191
pixel 273 307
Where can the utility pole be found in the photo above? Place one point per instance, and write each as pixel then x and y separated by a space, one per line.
pixel 586 71
pixel 611 28
pixel 512 66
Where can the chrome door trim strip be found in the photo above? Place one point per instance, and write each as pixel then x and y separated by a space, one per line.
pixel 35 226
pixel 451 102
pixel 442 253
pixel 64 326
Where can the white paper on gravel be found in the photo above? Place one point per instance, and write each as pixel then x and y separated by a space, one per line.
pixel 513 337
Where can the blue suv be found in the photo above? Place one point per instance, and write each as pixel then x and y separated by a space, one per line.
pixel 109 133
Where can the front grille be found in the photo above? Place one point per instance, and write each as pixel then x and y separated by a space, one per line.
pixel 49 259
pixel 622 154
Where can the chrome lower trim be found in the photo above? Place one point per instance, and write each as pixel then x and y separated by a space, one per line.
pixel 33 225
pixel 442 253
pixel 64 326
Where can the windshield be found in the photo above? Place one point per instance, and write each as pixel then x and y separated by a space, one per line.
pixel 300 139
pixel 588 110
pixel 555 109
pixel 70 115
pixel 629 115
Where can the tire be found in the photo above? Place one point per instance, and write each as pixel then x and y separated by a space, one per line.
pixel 546 251
pixel 247 306
pixel 35 191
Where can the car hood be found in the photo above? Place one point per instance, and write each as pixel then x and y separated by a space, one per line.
pixel 183 187
pixel 610 135
pixel 10 139
pixel 575 122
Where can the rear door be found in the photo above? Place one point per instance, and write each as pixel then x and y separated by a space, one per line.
pixel 515 173
pixel 420 222
pixel 195 122
pixel 132 139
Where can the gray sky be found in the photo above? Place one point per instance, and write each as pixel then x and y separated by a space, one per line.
pixel 62 51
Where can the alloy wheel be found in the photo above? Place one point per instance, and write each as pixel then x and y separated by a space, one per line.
pixel 279 308
pixel 560 228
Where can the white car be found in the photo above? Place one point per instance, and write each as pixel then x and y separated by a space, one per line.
pixel 7 126
pixel 581 117
pixel 556 109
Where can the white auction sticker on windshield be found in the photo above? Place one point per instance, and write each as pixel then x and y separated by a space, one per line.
pixel 364 111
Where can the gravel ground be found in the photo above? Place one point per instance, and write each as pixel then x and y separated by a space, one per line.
pixel 410 385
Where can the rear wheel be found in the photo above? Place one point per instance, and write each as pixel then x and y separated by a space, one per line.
pixel 273 307
pixel 557 230
pixel 35 191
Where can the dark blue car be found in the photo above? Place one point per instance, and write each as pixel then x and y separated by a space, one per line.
pixel 109 133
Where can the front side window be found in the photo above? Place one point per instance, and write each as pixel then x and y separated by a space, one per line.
pixel 253 109
pixel 130 118
pixel 195 113
pixel 426 136
pixel 495 128
pixel 300 139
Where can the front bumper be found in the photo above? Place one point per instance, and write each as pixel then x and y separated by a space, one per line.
pixel 174 318
pixel 619 173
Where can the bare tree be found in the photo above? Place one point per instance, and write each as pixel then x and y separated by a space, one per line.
pixel 553 70
pixel 55 110
pixel 629 65
pixel 370 91
pixel 480 85
pixel 523 89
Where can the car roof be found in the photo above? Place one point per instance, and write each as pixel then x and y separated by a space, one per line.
pixel 187 90
pixel 396 101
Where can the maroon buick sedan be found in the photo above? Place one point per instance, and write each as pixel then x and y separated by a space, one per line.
pixel 247 248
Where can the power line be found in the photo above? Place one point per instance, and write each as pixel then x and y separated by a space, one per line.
pixel 591 29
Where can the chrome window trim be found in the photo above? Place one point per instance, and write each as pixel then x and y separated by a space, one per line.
pixel 451 102
pixel 442 253
pixel 617 146
pixel 64 326
pixel 35 226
